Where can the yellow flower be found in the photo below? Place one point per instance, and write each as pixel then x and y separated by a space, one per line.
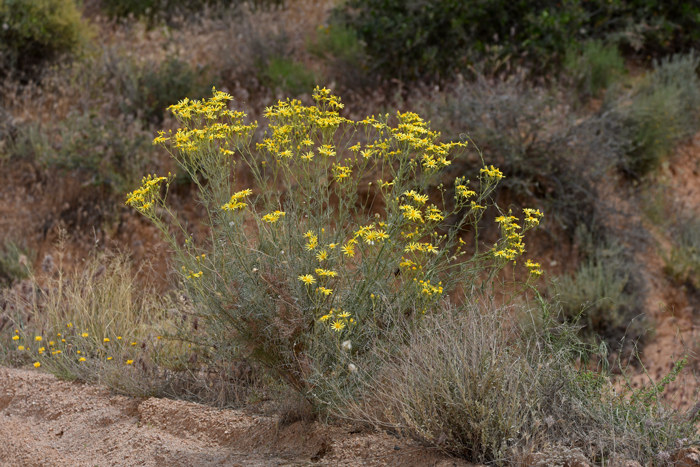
pixel 109 358
pixel 348 250
pixel 273 216
pixel 133 343
pixel 41 350
pixel 37 338
pixel 322 255
pixel 69 325
pixel 338 326
pixel 106 339
pixel 51 343
pixel 15 338
pixel 326 273
pixel 85 334
pixel 325 291
pixel 81 359
pixel 129 362
pixel 21 347
pixel 344 315
pixel 326 317
pixel 119 338
pixel 37 364
pixel 307 279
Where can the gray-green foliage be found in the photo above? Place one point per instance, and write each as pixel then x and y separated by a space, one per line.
pixel 15 263
pixel 683 263
pixel 494 384
pixel 603 295
pixel 289 76
pixel 112 152
pixel 595 66
pixel 662 111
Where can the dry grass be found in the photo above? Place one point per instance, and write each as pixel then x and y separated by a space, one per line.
pixel 488 386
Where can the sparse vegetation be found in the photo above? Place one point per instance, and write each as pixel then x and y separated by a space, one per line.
pixel 324 264
pixel 35 31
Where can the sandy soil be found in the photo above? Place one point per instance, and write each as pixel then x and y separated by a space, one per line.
pixel 48 422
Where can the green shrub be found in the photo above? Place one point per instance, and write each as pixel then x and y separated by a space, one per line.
pixel 414 39
pixel 170 81
pixel 33 31
pixel 15 264
pixel 604 296
pixel 595 67
pixel 683 264
pixel 339 47
pixel 306 262
pixel 664 110
pixel 336 40
pixel 289 76
pixel 110 151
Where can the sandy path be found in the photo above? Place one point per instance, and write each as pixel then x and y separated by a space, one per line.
pixel 48 422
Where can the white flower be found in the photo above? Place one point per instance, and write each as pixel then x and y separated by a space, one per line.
pixel 346 345
pixel 255 269
pixel 352 368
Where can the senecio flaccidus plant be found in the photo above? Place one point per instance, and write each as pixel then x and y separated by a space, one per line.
pixel 336 244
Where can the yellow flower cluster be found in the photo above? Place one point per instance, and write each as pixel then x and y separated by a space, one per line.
pixel 462 188
pixel 326 273
pixel 340 319
pixel 492 174
pixel 237 200
pixel 428 289
pixel 311 241
pixel 420 199
pixel 513 245
pixel 142 199
pixel 422 247
pixel 534 268
pixel 434 214
pixel 411 213
pixel 532 217
pixel 340 172
pixel 273 217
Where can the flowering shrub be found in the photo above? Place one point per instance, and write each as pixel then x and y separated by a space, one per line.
pixel 341 240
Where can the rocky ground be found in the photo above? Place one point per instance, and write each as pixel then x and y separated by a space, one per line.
pixel 48 422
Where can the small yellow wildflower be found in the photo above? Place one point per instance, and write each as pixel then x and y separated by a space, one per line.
pixel 273 217
pixel 81 359
pixel 106 339
pixel 38 338
pixel 349 249
pixel 85 334
pixel 307 279
pixel 322 255
pixel 109 358
pixel 21 347
pixel 37 364
pixel 338 326
pixel 129 362
pixel 15 338
pixel 325 291
pixel 326 273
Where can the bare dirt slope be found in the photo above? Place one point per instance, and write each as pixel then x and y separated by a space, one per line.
pixel 48 422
